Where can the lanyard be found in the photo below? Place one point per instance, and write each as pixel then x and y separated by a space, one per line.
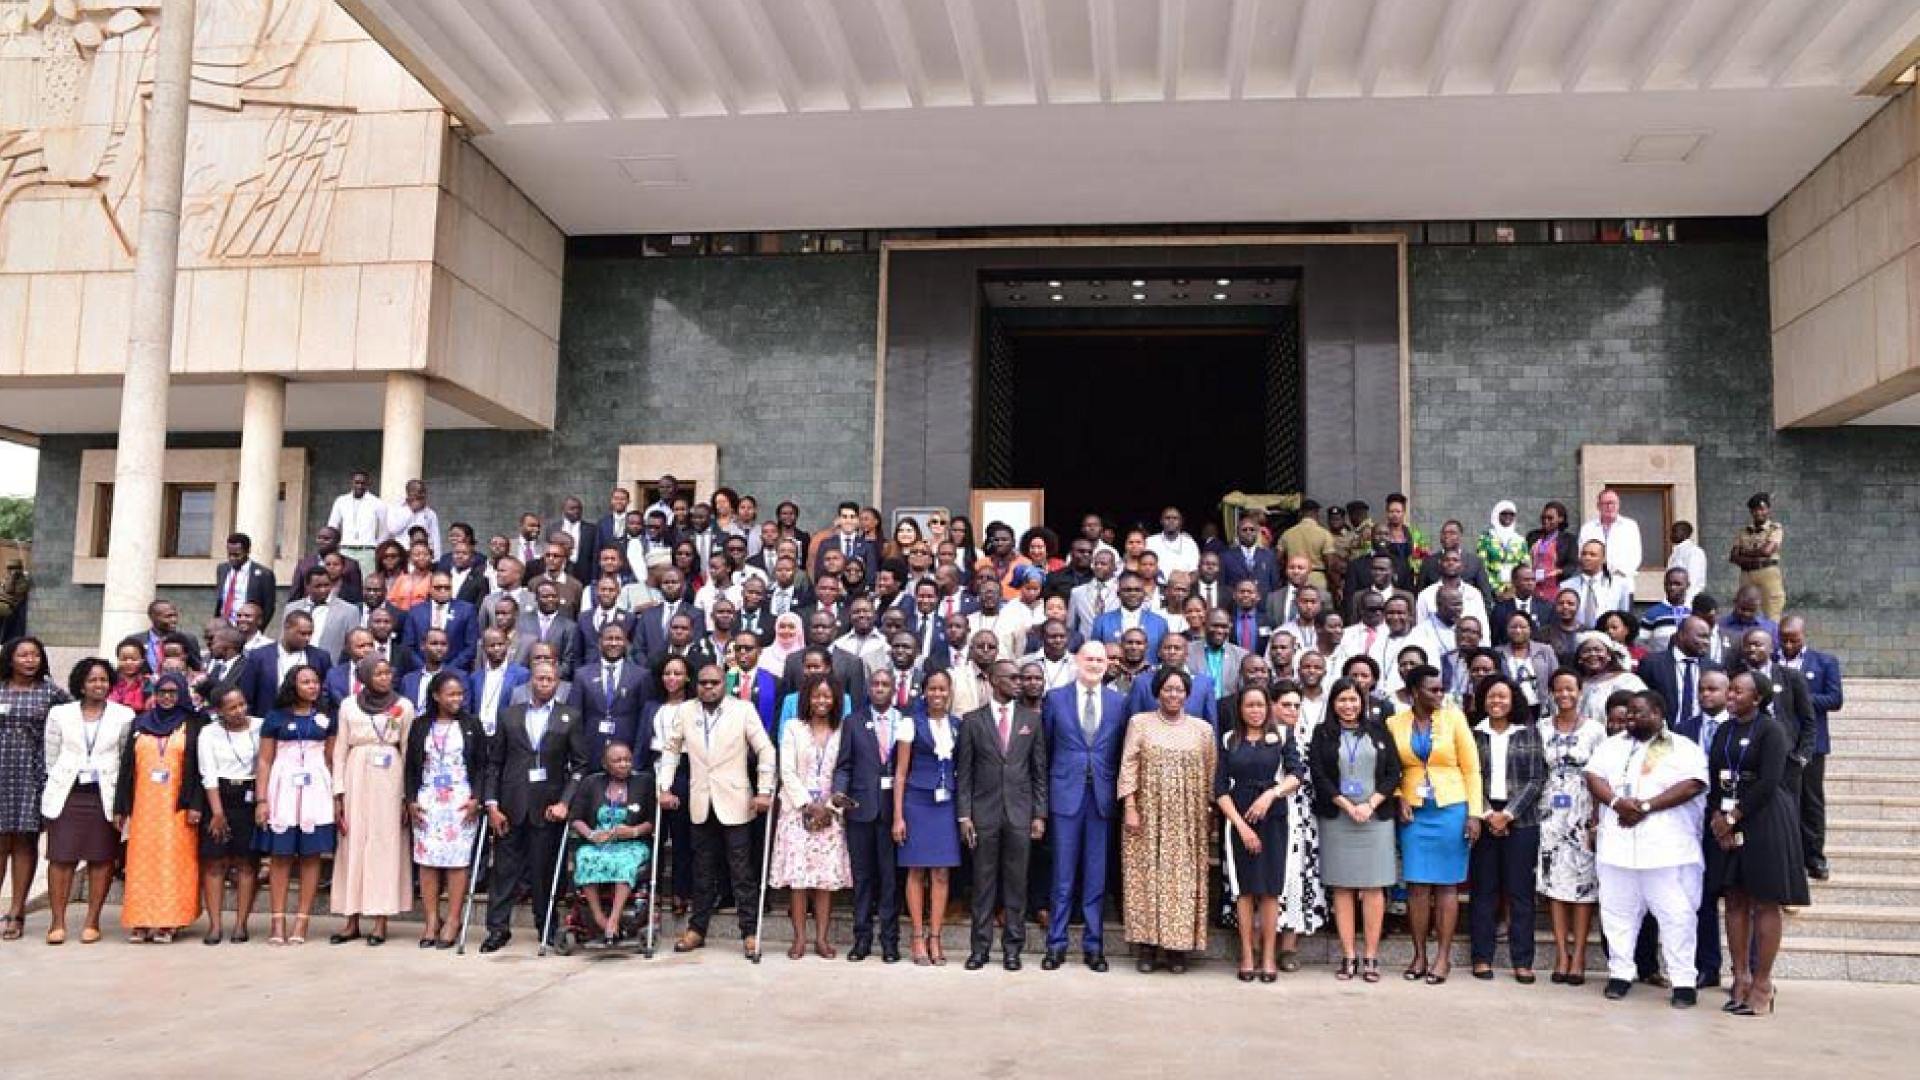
pixel 441 731
pixel 1350 743
pixel 253 749
pixel 1735 764
pixel 91 738
pixel 379 729
pixel 707 720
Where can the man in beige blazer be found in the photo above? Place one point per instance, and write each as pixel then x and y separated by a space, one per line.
pixel 721 739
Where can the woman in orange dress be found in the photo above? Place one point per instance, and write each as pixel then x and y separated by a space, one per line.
pixel 163 849
pixel 412 586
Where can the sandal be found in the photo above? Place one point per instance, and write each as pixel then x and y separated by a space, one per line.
pixel 277 929
pixel 1289 960
pixel 1483 972
pixel 299 935
pixel 1245 974
pixel 163 937
pixel 1370 969
pixel 1415 974
pixel 920 956
pixel 138 936
pixel 825 950
pixel 797 950
pixel 936 951
pixel 57 936
pixel 1349 967
pixel 15 925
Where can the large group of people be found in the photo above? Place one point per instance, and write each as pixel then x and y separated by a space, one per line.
pixel 1267 731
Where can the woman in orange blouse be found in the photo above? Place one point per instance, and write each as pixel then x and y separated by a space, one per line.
pixel 412 587
pixel 1441 804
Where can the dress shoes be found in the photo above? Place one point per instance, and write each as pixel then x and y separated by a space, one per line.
pixel 860 951
pixel 1617 989
pixel 496 940
pixel 1052 961
pixel 976 961
pixel 889 952
pixel 1011 961
pixel 1684 998
pixel 1817 870
pixel 689 941
pixel 1097 961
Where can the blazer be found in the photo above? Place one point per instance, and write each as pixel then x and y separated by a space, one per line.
pixel 512 675
pixel 67 756
pixel 718 784
pixel 586 554
pixel 564 693
pixel 348 588
pixel 848 671
pixel 260 679
pixel 1203 701
pixel 616 716
pixel 863 771
pixel 1263 571
pixel 1822 672
pixel 572 593
pixel 996 788
pixel 259 588
pixel 590 630
pixel 865 550
pixel 650 627
pixel 1231 657
pixel 414 684
pixel 1661 672
pixel 1793 708
pixel 341 617
pixel 513 757
pixel 1454 764
pixel 476 746
pixel 794 793
pixel 563 635
pixel 591 793
pixel 1323 765
pixel 1082 778
pixel 1541 608
pixel 1106 628
pixel 1539 663
pixel 1526 770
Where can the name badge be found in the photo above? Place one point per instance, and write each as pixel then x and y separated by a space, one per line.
pixel 1425 791
pixel 160 776
pixel 490 727
pixel 247 795
pixel 537 776
pixel 886 783
pixel 442 782
pixel 606 727
pixel 1562 801
pixel 89 776
pixel 382 760
pixel 1352 789
pixel 1626 789
pixel 1727 806
pixel 301 779
pixel 940 795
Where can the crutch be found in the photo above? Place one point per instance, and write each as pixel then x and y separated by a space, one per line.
pixel 553 891
pixel 653 881
pixel 473 881
pixel 766 866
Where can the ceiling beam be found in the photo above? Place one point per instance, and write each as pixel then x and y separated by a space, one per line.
pixel 1440 56
pixel 1898 24
pixel 650 68
pixel 1659 41
pixel 1373 46
pixel 558 25
pixel 1306 45
pixel 1579 55
pixel 426 42
pixel 707 55
pixel 906 51
pixel 966 43
pixel 1173 46
pixel 833 37
pixel 1033 40
pixel 1713 64
pixel 546 95
pixel 1799 40
pixel 766 42
pixel 1513 44
pixel 1240 45
pixel 1100 21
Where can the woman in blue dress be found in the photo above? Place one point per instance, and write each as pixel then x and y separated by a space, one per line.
pixel 293 798
pixel 926 823
pixel 612 817
pixel 1441 804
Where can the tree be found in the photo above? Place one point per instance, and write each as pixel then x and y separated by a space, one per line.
pixel 16 518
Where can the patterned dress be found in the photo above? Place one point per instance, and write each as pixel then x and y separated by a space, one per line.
pixel 163 851
pixel 1168 769
pixel 612 863
pixel 804 858
pixel 1566 869
pixel 23 753
pixel 1303 906
pixel 370 871
pixel 445 839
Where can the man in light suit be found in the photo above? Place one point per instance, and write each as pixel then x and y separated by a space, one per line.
pixel 1130 614
pixel 614 691
pixel 330 616
pixel 1085 726
pixel 1000 786
pixel 549 623
pixel 1095 597
pixel 718 740
pixel 1248 561
pixel 539 755
pixel 1218 656
pixel 441 611
pixel 267 666
pixel 240 580
pixel 1822 672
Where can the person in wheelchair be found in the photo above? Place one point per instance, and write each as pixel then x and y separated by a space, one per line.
pixel 612 819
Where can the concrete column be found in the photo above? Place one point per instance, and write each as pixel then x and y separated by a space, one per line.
pixel 263 426
pixel 403 434
pixel 133 552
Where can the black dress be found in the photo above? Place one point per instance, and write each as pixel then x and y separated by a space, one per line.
pixel 1747 762
pixel 1245 772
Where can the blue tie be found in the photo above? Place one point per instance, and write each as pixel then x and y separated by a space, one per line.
pixel 1686 687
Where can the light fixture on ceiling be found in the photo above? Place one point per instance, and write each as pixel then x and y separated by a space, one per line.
pixel 1139 296
pixel 1017 297
pixel 1180 296
pixel 1223 282
pixel 1179 281
pixel 1053 284
pixel 1099 296
pixel 1673 148
pixel 1219 296
pixel 1139 284
pixel 1057 297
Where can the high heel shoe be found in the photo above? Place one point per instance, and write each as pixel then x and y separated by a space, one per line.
pixel 1737 996
pixel 1759 1003
pixel 277 928
pixel 921 957
pixel 1245 974
pixel 1349 967
pixel 1370 969
pixel 299 935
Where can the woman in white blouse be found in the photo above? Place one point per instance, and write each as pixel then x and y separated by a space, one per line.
pixel 227 754
pixel 84 740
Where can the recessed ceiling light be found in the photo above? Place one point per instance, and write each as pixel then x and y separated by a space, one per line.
pixel 1179 296
pixel 1096 283
pixel 1224 281
pixel 1219 296
pixel 1057 296
pixel 1139 296
pixel 1179 281
pixel 1263 296
pixel 1139 284
pixel 1099 296
pixel 1017 297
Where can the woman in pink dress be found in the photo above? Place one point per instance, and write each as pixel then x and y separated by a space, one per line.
pixel 810 837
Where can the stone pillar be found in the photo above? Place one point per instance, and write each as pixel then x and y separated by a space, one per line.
pixel 263 426
pixel 133 551
pixel 403 434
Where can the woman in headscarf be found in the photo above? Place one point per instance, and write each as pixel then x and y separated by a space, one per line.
pixel 371 868
pixel 1502 547
pixel 789 637
pixel 163 850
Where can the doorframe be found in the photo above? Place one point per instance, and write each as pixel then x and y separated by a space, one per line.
pixel 1397 240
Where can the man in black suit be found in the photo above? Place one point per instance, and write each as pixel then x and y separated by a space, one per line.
pixel 387 644
pixel 614 691
pixel 584 535
pixel 848 671
pixel 240 580
pixel 468 573
pixel 603 612
pixel 1525 599
pixel 1792 704
pixel 847 540
pixel 863 772
pixel 828 599
pixel 1675 673
pixel 682 642
pixel 539 755
pixel 550 622
pixel 1000 773
pixel 226 663
pixel 756 615
pixel 327 542
pixel 650 626
pixel 611 529
pixel 267 665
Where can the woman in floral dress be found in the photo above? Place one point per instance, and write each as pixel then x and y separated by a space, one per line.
pixel 1566 872
pixel 810 841
pixel 612 817
pixel 1303 904
pixel 1501 547
pixel 446 757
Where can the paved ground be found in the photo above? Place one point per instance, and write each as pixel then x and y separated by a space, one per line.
pixel 350 1011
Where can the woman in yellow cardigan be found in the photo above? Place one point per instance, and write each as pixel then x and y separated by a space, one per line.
pixel 1441 805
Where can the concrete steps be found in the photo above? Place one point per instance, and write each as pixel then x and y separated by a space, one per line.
pixel 1895 890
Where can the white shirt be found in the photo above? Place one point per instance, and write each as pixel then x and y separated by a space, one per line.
pixel 228 755
pixel 871 650
pixel 1610 593
pixel 1471 603
pixel 401 520
pixel 1663 839
pixel 361 521
pixel 1623 543
pixel 942 730
pixel 288 661
pixel 1353 642
pixel 1177 553
pixel 1497 754
pixel 1688 556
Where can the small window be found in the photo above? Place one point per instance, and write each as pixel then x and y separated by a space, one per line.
pixel 1651 507
pixel 187 529
pixel 102 520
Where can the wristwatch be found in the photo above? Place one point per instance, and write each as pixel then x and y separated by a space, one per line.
pixel 1645 806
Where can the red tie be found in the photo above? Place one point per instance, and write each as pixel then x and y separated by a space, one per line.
pixel 233 593
pixel 1371 630
pixel 1006 728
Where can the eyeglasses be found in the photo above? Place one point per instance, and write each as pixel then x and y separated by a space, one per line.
pixel 709 682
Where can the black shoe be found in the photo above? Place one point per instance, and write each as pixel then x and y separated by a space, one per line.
pixel 1559 978
pixel 1817 870
pixel 1011 962
pixel 1707 982
pixel 1684 998
pixel 342 939
pixel 890 954
pixel 1617 989
pixel 427 942
pixel 1052 961
pixel 860 951
pixel 976 961
pixel 496 939
pixel 1097 961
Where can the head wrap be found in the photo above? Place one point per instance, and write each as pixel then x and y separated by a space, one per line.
pixel 160 722
pixel 1506 534
pixel 370 703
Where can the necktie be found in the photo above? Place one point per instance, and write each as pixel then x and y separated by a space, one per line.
pixel 1006 727
pixel 1099 598
pixel 1246 630
pixel 1089 716
pixel 1686 687
pixel 1372 631
pixel 746 687
pixel 900 689
pixel 599 620
pixel 1588 611
pixel 607 681
pixel 884 736
pixel 233 593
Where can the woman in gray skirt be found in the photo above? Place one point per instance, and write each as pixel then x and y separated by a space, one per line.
pixel 1355 773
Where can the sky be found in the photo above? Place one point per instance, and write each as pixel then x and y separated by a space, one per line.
pixel 19 467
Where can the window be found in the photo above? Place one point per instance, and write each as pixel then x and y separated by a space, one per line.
pixel 187 523
pixel 102 520
pixel 1651 507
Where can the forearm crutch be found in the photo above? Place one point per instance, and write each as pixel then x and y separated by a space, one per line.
pixel 653 881
pixel 553 891
pixel 473 879
pixel 766 866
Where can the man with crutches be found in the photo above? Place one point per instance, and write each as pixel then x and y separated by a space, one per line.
pixel 539 755
pixel 718 741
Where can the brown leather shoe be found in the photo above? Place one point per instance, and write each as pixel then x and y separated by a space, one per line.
pixel 750 946
pixel 689 941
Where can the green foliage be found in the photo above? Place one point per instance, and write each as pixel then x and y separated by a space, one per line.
pixel 16 518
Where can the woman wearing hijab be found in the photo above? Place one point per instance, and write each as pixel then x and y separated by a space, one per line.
pixel 789 637
pixel 163 850
pixel 371 868
pixel 1502 547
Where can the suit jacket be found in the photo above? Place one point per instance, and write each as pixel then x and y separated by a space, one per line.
pixel 1453 764
pixel 1203 701
pixel 565 693
pixel 1222 598
pixel 863 771
pixel 398 655
pixel 1001 788
pixel 1083 778
pixel 1264 570
pixel 1661 672
pixel 473 589
pixel 67 747
pixel 1793 708
pixel 257 589
pixel 1822 672
pixel 847 670
pixel 586 553
pixel 590 633
pixel 563 635
pixel 1081 603
pixel 1106 628
pixel 650 627
pixel 756 621
pixel 563 753
pixel 1541 608
pixel 615 717
pixel 260 680
pixel 591 794
pixel 1230 659
pixel 414 684
pixel 1323 764
pixel 341 618
pixel 571 592
pixel 718 784
pixel 511 675
pixel 477 749
pixel 866 551
pixel 219 679
pixel 348 589
pixel 1526 771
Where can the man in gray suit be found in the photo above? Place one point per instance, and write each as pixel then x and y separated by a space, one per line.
pixel 1218 656
pixel 549 623
pixel 1000 773
pixel 332 616
pixel 1094 598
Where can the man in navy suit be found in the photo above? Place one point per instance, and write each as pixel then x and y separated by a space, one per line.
pixel 846 540
pixel 435 650
pixel 650 626
pixel 1675 673
pixel 614 690
pixel 240 580
pixel 746 680
pixel 584 535
pixel 1202 700
pixel 267 665
pixel 1086 725
pixel 1132 613
pixel 602 612
pixel 441 611
pixel 864 773
pixel 1822 672
pixel 1248 561
pixel 611 529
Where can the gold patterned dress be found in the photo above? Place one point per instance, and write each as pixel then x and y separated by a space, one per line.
pixel 163 851
pixel 1167 766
